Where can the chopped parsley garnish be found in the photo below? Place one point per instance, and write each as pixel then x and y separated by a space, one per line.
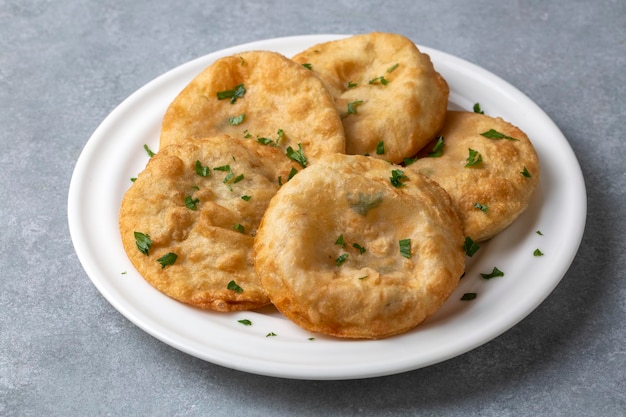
pixel 525 173
pixel 297 156
pixel 292 172
pixel 341 259
pixel 473 159
pixel 238 178
pixel 133 179
pixel 307 65
pixel 482 207
pixel 272 142
pixel 360 248
pixel 392 68
pixel 203 171
pixel 409 161
pixel 437 150
pixel 191 203
pixel 380 79
pixel 397 176
pixel 167 259
pixel 380 148
pixel 494 134
pixel 352 107
pixel 468 296
pixel 143 242
pixel 470 247
pixel 236 120
pixel 232 285
pixel 405 248
pixel 239 228
pixel 494 273
pixel 539 232
pixel 537 252
pixel 363 277
pixel 270 334
pixel 233 95
pixel 365 202
pixel 477 109
pixel 222 168
pixel 340 241
pixel 149 151
pixel 351 84
pixel 246 197
pixel 245 322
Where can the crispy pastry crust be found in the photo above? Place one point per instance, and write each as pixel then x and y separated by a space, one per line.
pixel 279 95
pixel 374 294
pixel 497 183
pixel 212 250
pixel 404 113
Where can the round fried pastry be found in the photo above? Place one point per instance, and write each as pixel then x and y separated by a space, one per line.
pixel 490 179
pixel 260 95
pixel 391 98
pixel 202 201
pixel 344 252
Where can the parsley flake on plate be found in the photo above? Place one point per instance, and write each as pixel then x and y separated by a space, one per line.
pixel 470 247
pixel 468 296
pixel 148 150
pixel 494 273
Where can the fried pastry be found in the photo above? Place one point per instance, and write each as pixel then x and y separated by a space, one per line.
pixel 391 99
pixel 353 247
pixel 260 95
pixel 488 166
pixel 187 222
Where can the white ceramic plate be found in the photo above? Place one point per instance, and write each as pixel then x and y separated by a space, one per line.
pixel 115 153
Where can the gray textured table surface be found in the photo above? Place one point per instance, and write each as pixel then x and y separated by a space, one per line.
pixel 64 350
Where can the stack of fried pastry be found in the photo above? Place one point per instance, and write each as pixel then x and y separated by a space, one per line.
pixel 334 184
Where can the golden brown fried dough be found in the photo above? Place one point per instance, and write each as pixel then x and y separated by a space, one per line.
pixel 342 251
pixel 386 91
pixel 259 95
pixel 202 201
pixel 495 189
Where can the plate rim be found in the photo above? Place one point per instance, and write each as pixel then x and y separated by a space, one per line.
pixel 312 371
